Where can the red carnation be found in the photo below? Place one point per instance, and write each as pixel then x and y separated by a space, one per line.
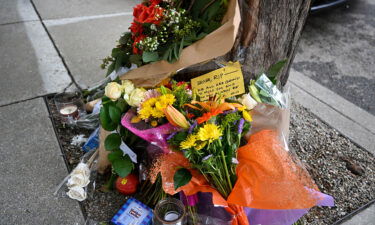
pixel 151 14
pixel 136 28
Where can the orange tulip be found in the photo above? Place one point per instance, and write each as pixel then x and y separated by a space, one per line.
pixel 175 117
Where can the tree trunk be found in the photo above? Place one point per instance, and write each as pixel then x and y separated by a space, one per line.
pixel 269 32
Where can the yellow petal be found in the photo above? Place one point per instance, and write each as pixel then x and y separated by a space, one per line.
pixel 246 115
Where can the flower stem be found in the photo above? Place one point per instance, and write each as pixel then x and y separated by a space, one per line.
pixel 226 171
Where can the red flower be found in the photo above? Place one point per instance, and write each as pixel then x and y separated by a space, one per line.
pixel 151 14
pixel 155 2
pixel 137 39
pixel 136 28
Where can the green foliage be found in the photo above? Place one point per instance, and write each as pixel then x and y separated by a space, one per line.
pixel 114 114
pixel 136 59
pixel 181 177
pixel 122 165
pixel 105 119
pixel 150 57
pixel 122 105
pixel 111 68
pixel 178 138
pixel 112 142
pixel 182 97
pixel 274 70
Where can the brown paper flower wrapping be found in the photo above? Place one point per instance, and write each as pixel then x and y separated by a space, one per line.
pixel 215 44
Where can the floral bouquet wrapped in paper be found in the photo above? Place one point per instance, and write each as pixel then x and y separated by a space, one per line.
pixel 167 36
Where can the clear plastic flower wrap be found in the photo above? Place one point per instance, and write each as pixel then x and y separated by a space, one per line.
pixel 80 183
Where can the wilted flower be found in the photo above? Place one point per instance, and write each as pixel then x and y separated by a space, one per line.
pixel 77 193
pixel 78 180
pixel 81 168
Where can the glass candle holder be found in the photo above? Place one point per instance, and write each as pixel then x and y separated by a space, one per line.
pixel 170 211
pixel 69 105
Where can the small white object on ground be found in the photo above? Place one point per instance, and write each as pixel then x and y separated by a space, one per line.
pixel 78 140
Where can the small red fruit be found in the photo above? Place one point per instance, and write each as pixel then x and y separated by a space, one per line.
pixel 127 185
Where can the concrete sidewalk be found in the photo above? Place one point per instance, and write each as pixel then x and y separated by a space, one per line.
pixel 48 46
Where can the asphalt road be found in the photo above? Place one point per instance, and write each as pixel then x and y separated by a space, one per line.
pixel 337 50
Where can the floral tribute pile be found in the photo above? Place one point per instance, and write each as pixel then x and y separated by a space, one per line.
pixel 227 159
pixel 208 152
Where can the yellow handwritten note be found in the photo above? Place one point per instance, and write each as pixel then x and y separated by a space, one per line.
pixel 227 82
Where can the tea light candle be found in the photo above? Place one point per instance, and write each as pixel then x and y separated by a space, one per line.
pixel 171 216
pixel 69 110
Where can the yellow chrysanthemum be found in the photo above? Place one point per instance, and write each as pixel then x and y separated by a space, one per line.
pixel 167 99
pixel 201 145
pixel 209 132
pixel 157 113
pixel 145 112
pixel 155 106
pixel 189 142
pixel 246 115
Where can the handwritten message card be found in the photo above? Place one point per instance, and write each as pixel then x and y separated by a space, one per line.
pixel 227 82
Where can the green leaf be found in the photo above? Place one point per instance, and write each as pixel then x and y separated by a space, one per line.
pixel 116 52
pixel 120 60
pixel 123 166
pixel 150 57
pixel 117 154
pixel 105 119
pixel 275 68
pixel 112 142
pixel 125 38
pixel 114 114
pixel 111 68
pixel 136 59
pixel 181 177
pixel 121 104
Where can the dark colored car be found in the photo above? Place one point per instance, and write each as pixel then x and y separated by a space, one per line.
pixel 320 5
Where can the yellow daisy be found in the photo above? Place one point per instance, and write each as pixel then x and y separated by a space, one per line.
pixel 209 132
pixel 189 142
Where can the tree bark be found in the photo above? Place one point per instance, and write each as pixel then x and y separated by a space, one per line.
pixel 269 32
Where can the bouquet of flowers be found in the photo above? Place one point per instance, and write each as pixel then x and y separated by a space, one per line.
pixel 161 29
pixel 211 147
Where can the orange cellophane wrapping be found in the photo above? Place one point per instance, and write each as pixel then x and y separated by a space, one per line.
pixel 167 164
pixel 268 178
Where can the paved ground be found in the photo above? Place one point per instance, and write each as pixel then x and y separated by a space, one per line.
pixel 337 50
pixel 49 45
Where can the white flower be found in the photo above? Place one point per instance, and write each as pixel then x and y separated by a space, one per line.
pixel 248 101
pixel 81 168
pixel 77 193
pixel 127 86
pixel 113 91
pixel 136 97
pixel 78 180
pixel 80 176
